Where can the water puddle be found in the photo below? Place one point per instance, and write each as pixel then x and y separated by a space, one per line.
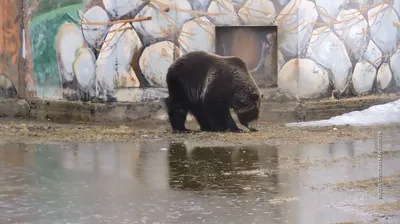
pixel 162 182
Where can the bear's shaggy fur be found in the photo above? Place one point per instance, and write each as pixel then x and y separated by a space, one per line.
pixel 208 85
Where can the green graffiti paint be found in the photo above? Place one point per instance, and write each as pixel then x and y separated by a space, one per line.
pixel 44 54
pixel 72 10
pixel 49 6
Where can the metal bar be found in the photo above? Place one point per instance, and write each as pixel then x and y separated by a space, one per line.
pixel 380 188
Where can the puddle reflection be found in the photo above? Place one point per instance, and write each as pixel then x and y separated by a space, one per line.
pixel 169 182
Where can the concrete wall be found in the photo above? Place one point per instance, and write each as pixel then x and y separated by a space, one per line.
pixel 351 46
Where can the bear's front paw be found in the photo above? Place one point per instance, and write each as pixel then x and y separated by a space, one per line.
pixel 181 131
pixel 237 130
pixel 253 130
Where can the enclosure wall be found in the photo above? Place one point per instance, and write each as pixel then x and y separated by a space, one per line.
pixel 96 49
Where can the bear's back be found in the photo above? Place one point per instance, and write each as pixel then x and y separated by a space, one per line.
pixel 195 66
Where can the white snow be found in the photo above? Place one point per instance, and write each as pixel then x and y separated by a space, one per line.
pixel 376 115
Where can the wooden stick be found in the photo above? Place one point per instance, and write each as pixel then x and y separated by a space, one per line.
pixel 118 21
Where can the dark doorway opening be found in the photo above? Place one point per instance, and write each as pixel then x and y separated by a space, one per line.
pixel 256 45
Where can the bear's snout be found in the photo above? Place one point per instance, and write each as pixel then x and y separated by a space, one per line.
pixel 252 126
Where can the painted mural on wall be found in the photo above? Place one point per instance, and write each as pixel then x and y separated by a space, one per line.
pixel 93 49
pixel 351 46
pixel 11 62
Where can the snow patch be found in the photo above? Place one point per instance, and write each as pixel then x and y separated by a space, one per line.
pixel 376 115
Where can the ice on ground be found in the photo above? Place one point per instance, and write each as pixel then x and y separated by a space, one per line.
pixel 376 115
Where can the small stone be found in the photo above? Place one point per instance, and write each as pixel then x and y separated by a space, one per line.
pixel 294 37
pixel 238 2
pixel 197 34
pixel 360 3
pixel 163 25
pixel 325 46
pixel 373 54
pixel 91 3
pixel 113 67
pixel 251 14
pixel 155 61
pixel 395 66
pixel 118 8
pixel 68 40
pixel 363 78
pixel 200 5
pixel 383 77
pixel 283 2
pixel 329 9
pixel 228 16
pixel 303 79
pixel 352 27
pixel 383 32
pixel 84 68
pixel 93 34
pixel 396 6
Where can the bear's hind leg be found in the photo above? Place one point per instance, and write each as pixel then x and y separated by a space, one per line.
pixel 201 118
pixel 177 115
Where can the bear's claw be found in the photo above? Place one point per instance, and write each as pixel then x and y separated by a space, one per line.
pixel 253 130
pixel 182 131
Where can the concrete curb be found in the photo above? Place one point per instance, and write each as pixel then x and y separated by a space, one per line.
pixel 70 112
pixel 75 112
pixel 329 108
pixel 14 108
pixel 318 110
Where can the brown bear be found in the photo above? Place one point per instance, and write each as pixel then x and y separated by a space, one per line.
pixel 207 86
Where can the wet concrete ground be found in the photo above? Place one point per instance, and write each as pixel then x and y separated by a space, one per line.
pixel 174 182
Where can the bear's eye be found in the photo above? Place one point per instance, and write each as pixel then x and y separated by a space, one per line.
pixel 254 96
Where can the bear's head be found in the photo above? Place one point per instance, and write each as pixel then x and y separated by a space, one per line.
pixel 249 113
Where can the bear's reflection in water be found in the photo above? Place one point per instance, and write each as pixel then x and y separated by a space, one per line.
pixel 223 170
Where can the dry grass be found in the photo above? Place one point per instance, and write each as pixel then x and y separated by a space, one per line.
pixel 369 185
pixel 385 208
pixel 281 200
pixel 271 133
pixel 347 222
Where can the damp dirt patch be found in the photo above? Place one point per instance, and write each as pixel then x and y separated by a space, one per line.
pixel 295 164
pixel 383 211
pixel 387 208
pixel 356 222
pixel 369 185
pixel 281 200
pixel 332 162
pixel 269 133
pixel 346 222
